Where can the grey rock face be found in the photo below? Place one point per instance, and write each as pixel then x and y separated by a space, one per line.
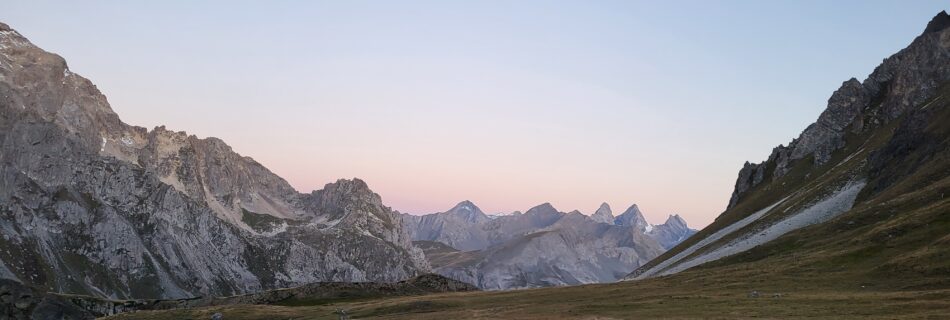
pixel 91 205
pixel 603 214
pixel 458 227
pixel 632 218
pixel 905 79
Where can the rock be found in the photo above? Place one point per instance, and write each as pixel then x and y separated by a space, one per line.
pixel 632 217
pixel 24 302
pixel 753 294
pixel 217 316
pixel 603 214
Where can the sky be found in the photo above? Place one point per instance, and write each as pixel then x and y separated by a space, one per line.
pixel 508 104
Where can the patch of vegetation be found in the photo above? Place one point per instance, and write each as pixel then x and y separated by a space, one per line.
pixel 260 222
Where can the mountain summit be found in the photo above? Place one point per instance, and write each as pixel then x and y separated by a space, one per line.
pixel 603 214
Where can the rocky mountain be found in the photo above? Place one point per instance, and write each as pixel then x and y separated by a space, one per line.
pixel 671 232
pixel 91 205
pixel 541 247
pixel 457 227
pixel 631 218
pixel 603 214
pixel 859 193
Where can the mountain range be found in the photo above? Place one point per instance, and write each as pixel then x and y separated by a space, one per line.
pixel 540 247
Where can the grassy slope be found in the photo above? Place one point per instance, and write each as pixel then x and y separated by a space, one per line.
pixel 440 255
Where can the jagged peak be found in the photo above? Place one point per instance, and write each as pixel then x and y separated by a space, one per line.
pixel 633 209
pixel 355 182
pixel 675 219
pixel 631 217
pixel 542 208
pixel 346 186
pixel 603 214
pixel 604 209
pixel 465 205
pixel 469 211
pixel 938 23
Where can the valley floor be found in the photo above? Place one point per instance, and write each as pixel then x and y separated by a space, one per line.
pixel 689 295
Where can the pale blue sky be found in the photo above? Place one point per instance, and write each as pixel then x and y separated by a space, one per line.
pixel 505 103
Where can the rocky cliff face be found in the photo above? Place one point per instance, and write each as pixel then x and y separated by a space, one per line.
pixel 89 204
pixel 603 214
pixel 632 217
pixel 875 158
pixel 458 227
pixel 541 247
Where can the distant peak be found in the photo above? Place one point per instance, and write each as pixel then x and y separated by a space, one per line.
pixel 542 208
pixel 634 209
pixel 469 210
pixel 631 217
pixel 603 214
pixel 355 182
pixel 938 23
pixel 465 205
pixel 347 186
pixel 675 219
